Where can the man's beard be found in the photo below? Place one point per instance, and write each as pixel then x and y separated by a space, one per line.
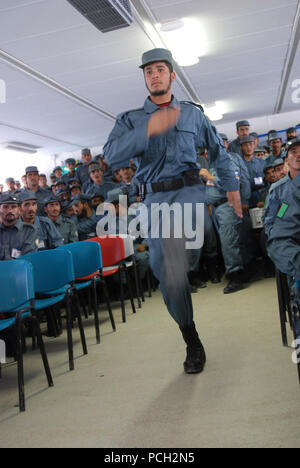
pixel 161 92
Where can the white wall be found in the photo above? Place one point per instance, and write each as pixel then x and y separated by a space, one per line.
pixel 13 164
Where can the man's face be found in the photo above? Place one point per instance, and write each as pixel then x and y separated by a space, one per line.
pixel 10 213
pixel 32 179
pixel 276 145
pixel 243 131
pixel 96 176
pixel 43 181
pixel 58 173
pixel 291 135
pixel 86 157
pixel 29 210
pixel 260 155
pixel 60 186
pixel 279 172
pixel 96 201
pixel 24 181
pixel 126 174
pixel 248 148
pixel 71 167
pixel 11 186
pixel 75 191
pixel 270 175
pixel 294 158
pixel 79 209
pixel 117 175
pixel 53 210
pixel 226 144
pixel 158 78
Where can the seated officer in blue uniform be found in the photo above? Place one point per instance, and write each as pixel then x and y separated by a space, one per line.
pixel 277 150
pixel 243 130
pixel 161 139
pixel 82 173
pixel 11 187
pixel 70 163
pixel 16 238
pixel 282 188
pixel 96 185
pixel 32 180
pixel 48 236
pixel 85 217
pixel 226 220
pixel 65 226
pixel 255 169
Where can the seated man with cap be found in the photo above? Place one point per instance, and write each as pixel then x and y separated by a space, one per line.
pixel 57 171
pixel 48 236
pixel 255 169
pixel 260 152
pixel 96 184
pixel 269 179
pixel 82 172
pixel 277 150
pixel 281 169
pixel 16 238
pixel 243 130
pixel 107 171
pixel 10 182
pixel 65 226
pixel 280 191
pixel 75 190
pixel 291 133
pixel 85 219
pixel 71 164
pixel 43 182
pixel 32 179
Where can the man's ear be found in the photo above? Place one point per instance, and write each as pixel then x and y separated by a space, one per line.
pixel 173 77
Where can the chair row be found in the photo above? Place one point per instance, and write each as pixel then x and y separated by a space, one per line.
pixel 57 277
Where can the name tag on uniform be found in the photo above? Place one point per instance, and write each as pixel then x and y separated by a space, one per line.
pixel 283 209
pixel 210 183
pixel 258 181
pixel 41 244
pixel 15 253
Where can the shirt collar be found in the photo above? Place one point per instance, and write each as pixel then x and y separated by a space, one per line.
pixel 150 107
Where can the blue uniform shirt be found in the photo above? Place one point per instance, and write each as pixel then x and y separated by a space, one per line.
pixel 167 156
pixel 86 226
pixel 278 192
pixel 284 235
pixel 17 240
pixel 92 189
pixel 255 169
pixel 48 235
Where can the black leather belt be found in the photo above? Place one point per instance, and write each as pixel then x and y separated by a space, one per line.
pixel 220 202
pixel 188 178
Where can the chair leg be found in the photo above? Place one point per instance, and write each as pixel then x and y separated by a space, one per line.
pixel 20 363
pixel 80 325
pixel 137 285
pixel 282 314
pixel 42 350
pixel 106 295
pixel 69 333
pixel 96 314
pixel 122 296
pixel 128 280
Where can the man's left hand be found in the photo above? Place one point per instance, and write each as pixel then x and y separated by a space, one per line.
pixel 234 200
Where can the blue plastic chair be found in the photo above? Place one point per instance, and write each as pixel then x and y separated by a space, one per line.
pixel 53 279
pixel 87 260
pixel 17 298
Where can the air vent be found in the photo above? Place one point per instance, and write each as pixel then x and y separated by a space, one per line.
pixel 21 147
pixel 106 15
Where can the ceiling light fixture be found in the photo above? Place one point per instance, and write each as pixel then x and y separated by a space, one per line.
pixel 185 38
pixel 215 110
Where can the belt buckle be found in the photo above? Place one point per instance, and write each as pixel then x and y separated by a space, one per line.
pixel 168 185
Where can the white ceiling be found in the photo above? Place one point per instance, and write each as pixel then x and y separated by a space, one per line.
pixel 248 43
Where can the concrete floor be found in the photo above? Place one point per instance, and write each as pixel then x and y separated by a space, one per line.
pixel 130 391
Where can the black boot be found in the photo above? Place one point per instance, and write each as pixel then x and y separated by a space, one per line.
pixel 196 358
pixel 213 272
pixel 235 282
pixel 195 280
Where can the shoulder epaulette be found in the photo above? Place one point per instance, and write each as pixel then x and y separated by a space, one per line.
pixel 193 104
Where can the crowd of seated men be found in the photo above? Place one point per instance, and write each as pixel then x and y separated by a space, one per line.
pixel 42 214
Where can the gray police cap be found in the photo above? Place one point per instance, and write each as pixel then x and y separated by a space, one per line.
pixel 274 136
pixel 94 167
pixel 248 139
pixel 278 162
pixel 260 149
pixel 9 199
pixel 70 161
pixel 291 129
pixel 51 199
pixel 223 136
pixel 242 123
pixel 86 151
pixel 31 169
pixel 10 179
pixel 80 198
pixel 157 55
pixel 292 144
pixel 26 196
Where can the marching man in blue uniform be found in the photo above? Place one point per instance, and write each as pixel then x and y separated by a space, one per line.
pixel 161 138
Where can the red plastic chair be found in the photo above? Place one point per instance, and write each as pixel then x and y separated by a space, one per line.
pixel 113 256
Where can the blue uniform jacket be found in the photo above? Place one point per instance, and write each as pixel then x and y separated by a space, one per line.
pixel 284 236
pixel 278 192
pixel 167 156
pixel 48 235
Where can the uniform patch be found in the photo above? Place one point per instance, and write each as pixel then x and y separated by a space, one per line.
pixel 283 209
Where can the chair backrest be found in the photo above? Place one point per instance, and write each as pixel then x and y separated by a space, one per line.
pixel 112 248
pixel 17 285
pixel 52 269
pixel 87 257
pixel 128 244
